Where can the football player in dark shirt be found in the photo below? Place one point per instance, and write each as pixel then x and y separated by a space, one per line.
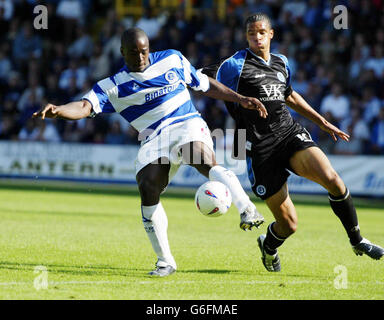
pixel 278 143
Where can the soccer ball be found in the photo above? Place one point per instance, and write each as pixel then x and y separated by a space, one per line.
pixel 213 199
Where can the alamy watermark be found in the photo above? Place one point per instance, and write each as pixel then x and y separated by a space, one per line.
pixel 41 20
pixel 157 146
pixel 340 21
pixel 341 280
pixel 41 280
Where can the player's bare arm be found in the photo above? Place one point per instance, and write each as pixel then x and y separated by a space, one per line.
pixel 219 91
pixel 297 103
pixel 71 111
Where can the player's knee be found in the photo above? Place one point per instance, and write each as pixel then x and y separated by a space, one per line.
pixel 334 183
pixel 288 226
pixel 149 189
pixel 291 227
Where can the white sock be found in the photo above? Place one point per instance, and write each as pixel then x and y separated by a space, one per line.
pixel 239 197
pixel 156 224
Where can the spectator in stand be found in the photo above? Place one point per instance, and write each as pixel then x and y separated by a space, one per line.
pixel 5 66
pixel 47 131
pixel 255 6
pixel 53 92
pixel 295 9
pixel 336 103
pixel 356 127
pixel 112 46
pixel 288 46
pixel 8 128
pixel 192 53
pixel 376 63
pixel 371 105
pixel 342 50
pixel 98 64
pixel 34 89
pixel 306 37
pixel 72 14
pixel 82 46
pixel 74 71
pixel 115 135
pixel 26 45
pixel 71 11
pixel 131 136
pixel 321 78
pixel 379 37
pixel 29 132
pixel 71 132
pixel 314 95
pixel 356 64
pixel 327 46
pixel 150 23
pixel 72 91
pixel 39 131
pixel 300 82
pixel 13 88
pixel 360 44
pixel 31 105
pixel 312 16
pixel 377 138
pixel 326 144
pixel 6 6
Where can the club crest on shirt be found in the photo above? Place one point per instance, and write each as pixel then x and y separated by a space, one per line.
pixel 171 77
pixel 261 190
pixel 280 76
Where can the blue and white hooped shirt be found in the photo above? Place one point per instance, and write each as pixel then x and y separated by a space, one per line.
pixel 154 98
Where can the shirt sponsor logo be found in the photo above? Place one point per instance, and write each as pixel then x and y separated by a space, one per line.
pixel 260 75
pixel 272 92
pixel 161 92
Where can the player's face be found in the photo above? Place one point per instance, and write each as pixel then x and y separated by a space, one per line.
pixel 136 54
pixel 259 36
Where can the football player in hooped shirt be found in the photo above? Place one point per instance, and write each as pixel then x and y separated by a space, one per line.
pixel 277 143
pixel 151 93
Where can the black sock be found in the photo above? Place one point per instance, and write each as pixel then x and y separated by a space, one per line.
pixel 272 240
pixel 343 207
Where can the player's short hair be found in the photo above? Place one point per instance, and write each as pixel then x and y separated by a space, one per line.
pixel 258 17
pixel 130 35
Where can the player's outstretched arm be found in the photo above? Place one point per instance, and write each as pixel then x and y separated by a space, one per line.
pixel 297 103
pixel 218 90
pixel 71 111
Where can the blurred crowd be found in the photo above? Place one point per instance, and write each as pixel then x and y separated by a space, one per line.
pixel 340 72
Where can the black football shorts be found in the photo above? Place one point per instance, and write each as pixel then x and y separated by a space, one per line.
pixel 269 176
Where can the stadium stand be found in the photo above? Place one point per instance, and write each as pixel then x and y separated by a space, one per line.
pixel 340 72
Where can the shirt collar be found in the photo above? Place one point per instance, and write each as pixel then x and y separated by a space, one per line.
pixel 260 58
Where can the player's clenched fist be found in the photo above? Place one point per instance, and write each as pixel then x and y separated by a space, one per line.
pixel 49 111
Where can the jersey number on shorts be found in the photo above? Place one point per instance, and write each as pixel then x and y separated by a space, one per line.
pixel 304 137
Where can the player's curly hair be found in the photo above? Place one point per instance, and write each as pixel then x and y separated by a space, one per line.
pixel 258 17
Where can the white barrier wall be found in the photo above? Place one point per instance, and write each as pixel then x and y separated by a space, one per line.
pixel 364 175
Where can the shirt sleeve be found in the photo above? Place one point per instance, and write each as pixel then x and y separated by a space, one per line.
pixel 195 79
pixel 100 96
pixel 211 70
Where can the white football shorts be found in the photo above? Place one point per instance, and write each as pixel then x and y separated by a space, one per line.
pixel 167 142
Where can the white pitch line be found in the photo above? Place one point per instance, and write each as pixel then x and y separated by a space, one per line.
pixel 247 282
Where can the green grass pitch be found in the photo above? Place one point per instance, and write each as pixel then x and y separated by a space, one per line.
pixel 93 246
